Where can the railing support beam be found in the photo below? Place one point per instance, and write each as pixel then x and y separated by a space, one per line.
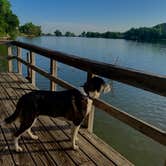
pixel 10 65
pixel 53 72
pixel 19 64
pixel 32 72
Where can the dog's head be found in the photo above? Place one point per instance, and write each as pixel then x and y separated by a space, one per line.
pixel 95 86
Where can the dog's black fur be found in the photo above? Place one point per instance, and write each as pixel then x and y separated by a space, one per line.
pixel 53 104
pixel 69 104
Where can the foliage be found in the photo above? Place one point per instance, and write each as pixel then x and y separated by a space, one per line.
pixel 108 34
pixel 58 33
pixel 157 32
pixel 8 21
pixel 142 34
pixel 69 34
pixel 30 29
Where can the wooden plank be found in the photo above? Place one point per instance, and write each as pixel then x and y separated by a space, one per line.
pixel 105 149
pixel 86 146
pixel 65 142
pixel 4 41
pixel 31 149
pixel 8 108
pixel 5 155
pixel 140 79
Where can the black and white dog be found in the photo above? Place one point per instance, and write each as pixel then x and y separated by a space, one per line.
pixel 73 105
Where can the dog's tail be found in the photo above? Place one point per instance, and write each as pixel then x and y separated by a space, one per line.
pixel 12 117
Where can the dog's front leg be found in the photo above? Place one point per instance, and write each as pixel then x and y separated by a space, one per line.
pixel 17 147
pixel 74 137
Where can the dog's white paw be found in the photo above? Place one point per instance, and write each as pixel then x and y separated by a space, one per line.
pixel 19 149
pixel 75 147
pixel 35 137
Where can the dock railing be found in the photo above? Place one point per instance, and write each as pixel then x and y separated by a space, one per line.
pixel 147 81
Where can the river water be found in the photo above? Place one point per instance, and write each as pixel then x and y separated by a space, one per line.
pixel 149 57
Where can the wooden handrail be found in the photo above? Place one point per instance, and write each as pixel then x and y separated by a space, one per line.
pixel 147 81
pixel 151 82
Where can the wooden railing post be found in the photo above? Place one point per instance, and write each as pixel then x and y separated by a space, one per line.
pixel 88 123
pixel 19 64
pixel 32 72
pixel 53 72
pixel 10 65
pixel 28 77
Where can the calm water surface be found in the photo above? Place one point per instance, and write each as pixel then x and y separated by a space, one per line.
pixel 147 106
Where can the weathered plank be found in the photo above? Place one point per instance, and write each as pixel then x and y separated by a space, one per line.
pixel 105 149
pixel 5 156
pixel 86 146
pixel 8 108
pixel 38 155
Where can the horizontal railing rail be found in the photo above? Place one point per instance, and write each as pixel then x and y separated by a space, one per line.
pixel 147 81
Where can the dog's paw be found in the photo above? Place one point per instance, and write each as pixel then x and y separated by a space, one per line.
pixel 19 149
pixel 35 137
pixel 75 147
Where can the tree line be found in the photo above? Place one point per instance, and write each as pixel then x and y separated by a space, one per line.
pixel 154 33
pixel 58 33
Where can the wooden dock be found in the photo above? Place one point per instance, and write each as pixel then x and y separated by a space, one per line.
pixel 54 145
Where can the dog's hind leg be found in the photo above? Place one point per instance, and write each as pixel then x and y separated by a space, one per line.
pixel 25 125
pixel 35 137
pixel 74 136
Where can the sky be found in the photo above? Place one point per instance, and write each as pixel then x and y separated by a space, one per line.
pixel 90 15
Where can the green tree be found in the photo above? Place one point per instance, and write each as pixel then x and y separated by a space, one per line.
pixel 8 21
pixel 30 29
pixel 83 34
pixel 69 34
pixel 58 33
